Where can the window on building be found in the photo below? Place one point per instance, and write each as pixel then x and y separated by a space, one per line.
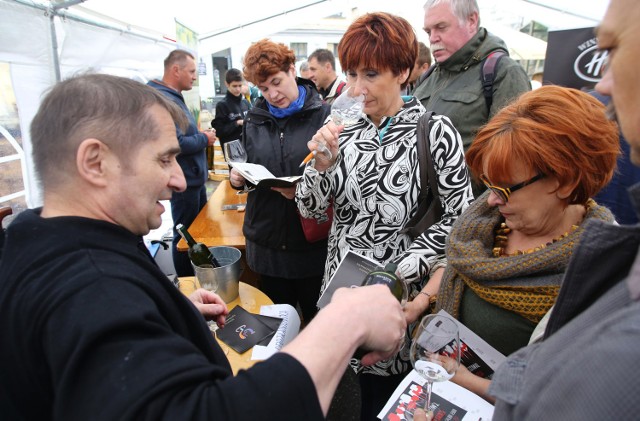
pixel 333 47
pixel 300 50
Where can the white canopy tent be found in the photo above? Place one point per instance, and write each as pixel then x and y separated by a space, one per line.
pixel 132 38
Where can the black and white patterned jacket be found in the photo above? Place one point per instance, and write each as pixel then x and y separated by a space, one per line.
pixel 374 185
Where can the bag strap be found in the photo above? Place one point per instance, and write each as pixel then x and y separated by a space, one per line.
pixel 429 206
pixel 340 87
pixel 425 75
pixel 488 75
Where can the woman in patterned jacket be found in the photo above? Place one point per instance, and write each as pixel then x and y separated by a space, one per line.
pixel 373 180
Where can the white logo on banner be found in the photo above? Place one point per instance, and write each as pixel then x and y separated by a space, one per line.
pixel 589 65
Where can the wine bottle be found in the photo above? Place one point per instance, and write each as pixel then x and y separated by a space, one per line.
pixel 395 281
pixel 199 253
pixel 391 279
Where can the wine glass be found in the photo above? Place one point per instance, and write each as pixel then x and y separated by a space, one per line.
pixel 235 152
pixel 205 274
pixel 435 350
pixel 346 110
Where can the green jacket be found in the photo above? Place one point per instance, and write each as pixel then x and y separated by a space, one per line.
pixel 455 86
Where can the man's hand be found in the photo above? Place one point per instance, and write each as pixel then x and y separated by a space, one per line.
pixel 211 136
pixel 378 313
pixel 210 305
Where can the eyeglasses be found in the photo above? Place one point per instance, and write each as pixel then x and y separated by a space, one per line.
pixel 504 192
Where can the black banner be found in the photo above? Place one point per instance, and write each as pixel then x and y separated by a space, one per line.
pixel 573 59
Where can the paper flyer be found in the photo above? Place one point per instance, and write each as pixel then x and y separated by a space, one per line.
pixel 287 330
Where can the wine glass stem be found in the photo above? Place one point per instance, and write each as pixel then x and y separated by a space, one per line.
pixel 428 404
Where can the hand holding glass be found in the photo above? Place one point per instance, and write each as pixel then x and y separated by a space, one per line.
pixel 435 351
pixel 235 152
pixel 346 110
pixel 205 274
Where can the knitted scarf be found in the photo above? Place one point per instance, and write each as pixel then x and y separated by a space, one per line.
pixel 526 284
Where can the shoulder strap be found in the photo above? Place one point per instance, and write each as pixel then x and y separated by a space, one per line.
pixel 488 75
pixel 340 87
pixel 426 74
pixel 429 206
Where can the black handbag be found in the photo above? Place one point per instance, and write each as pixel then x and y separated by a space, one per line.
pixel 429 206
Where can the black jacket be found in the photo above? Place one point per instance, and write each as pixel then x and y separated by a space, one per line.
pixel 231 109
pixel 280 145
pixel 92 329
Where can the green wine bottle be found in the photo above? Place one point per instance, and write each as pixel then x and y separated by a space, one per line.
pixel 199 253
pixel 390 278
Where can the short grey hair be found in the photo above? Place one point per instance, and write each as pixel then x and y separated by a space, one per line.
pixel 462 9
pixel 113 109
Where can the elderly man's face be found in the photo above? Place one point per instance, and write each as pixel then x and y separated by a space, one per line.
pixel 619 34
pixel 446 33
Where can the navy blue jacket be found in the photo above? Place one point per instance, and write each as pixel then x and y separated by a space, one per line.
pixel 193 143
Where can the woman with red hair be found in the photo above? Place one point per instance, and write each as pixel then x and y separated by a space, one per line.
pixel 542 158
pixel 275 135
pixel 373 180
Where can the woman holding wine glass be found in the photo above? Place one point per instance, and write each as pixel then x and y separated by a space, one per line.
pixel 435 352
pixel 275 134
pixel 372 177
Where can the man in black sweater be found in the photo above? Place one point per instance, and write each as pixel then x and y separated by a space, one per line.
pixel 231 111
pixel 93 329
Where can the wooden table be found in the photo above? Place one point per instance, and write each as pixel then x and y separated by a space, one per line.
pixel 215 227
pixel 251 299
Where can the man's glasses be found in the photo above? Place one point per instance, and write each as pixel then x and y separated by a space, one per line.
pixel 504 192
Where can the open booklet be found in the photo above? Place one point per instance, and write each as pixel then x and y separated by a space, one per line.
pixel 350 272
pixel 448 400
pixel 259 176
pixel 477 355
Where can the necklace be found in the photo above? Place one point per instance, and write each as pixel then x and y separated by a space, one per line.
pixel 501 240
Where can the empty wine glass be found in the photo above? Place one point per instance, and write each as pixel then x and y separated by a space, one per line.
pixel 235 152
pixel 435 351
pixel 205 274
pixel 346 110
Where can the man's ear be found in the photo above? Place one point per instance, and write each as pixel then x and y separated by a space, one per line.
pixel 90 161
pixel 473 20
pixel 175 71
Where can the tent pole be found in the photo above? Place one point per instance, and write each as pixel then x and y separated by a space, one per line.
pixel 53 12
pixel 54 45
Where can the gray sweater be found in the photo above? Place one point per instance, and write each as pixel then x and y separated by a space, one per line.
pixel 586 368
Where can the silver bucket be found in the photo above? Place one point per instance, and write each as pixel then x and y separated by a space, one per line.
pixel 228 274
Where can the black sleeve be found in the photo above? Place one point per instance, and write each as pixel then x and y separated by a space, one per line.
pixel 226 129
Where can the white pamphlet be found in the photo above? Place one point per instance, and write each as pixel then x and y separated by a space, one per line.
pixel 289 328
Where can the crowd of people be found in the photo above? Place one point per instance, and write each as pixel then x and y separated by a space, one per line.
pixel 533 264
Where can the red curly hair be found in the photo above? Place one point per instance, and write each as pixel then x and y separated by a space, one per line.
pixel 379 41
pixel 561 132
pixel 265 58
